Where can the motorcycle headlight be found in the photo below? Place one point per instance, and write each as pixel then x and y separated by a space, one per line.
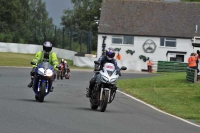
pixel 113 80
pixel 41 73
pixel 104 79
pixel 49 73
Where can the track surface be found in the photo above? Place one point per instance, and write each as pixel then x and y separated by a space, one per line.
pixel 68 110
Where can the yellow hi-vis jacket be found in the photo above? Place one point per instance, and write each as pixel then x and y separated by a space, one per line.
pixel 53 60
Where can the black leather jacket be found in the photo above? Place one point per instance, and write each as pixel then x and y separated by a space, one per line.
pixel 103 59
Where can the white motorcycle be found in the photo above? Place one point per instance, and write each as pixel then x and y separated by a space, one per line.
pixel 104 92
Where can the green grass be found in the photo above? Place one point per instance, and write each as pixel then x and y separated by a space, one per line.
pixel 17 59
pixel 169 92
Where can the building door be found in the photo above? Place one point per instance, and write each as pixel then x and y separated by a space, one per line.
pixel 180 58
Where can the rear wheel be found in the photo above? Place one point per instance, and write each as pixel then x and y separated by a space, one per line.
pixel 104 101
pixel 42 92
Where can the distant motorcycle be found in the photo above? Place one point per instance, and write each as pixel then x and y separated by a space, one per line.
pixel 63 73
pixel 104 93
pixel 44 73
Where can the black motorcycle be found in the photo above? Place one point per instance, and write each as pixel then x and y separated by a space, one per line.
pixel 104 92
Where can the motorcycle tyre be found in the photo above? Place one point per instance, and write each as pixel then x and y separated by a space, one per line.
pixel 94 107
pixel 42 92
pixel 104 102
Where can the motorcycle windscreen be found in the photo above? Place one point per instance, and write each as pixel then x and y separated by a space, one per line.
pixel 46 65
pixel 109 68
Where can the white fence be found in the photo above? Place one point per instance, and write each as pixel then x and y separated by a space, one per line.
pixel 67 54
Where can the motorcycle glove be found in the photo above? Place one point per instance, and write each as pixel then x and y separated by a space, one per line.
pixel 118 72
pixel 32 73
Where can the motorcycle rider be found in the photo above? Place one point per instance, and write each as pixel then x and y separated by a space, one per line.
pixel 48 55
pixel 66 67
pixel 108 58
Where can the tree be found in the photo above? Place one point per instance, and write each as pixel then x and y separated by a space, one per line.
pixel 40 24
pixel 13 16
pixel 83 16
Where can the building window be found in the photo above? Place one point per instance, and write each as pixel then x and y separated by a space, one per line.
pixel 123 40
pixel 168 42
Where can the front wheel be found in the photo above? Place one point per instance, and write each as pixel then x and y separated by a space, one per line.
pixel 104 101
pixel 42 92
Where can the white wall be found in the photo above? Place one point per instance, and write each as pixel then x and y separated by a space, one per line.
pixel 33 49
pixel 61 53
pixel 132 62
pixel 84 61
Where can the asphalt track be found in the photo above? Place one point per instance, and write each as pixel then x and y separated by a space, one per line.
pixel 67 110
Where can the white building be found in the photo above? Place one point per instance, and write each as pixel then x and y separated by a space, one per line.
pixel 156 30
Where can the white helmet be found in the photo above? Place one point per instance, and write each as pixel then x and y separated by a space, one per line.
pixel 47 46
pixel 65 62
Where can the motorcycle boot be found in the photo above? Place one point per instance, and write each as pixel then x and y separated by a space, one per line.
pixel 91 86
pixel 51 85
pixel 51 90
pixel 115 87
pixel 30 84
pixel 32 73
pixel 88 92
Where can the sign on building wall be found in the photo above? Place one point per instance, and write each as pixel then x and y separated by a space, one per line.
pixel 149 46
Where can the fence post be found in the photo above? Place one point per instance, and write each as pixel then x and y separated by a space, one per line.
pixel 103 45
pixel 35 35
pixel 63 38
pixel 81 42
pixel 70 32
pixel 90 47
pixel 89 44
pixel 55 37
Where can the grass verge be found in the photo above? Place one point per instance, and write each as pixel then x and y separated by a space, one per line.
pixel 17 59
pixel 169 92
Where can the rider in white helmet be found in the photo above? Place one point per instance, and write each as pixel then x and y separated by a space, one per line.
pixel 67 70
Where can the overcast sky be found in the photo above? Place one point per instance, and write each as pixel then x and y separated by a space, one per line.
pixel 56 7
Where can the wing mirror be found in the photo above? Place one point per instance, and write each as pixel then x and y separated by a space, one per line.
pixel 123 68
pixel 96 62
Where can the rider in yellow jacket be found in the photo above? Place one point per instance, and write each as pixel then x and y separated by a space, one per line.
pixel 45 54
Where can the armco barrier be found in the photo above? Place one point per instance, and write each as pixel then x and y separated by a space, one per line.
pixel 191 75
pixel 171 66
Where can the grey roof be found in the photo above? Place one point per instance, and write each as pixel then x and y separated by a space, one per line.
pixel 150 18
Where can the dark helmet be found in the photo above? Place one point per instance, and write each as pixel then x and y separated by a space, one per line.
pixel 110 53
pixel 47 46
